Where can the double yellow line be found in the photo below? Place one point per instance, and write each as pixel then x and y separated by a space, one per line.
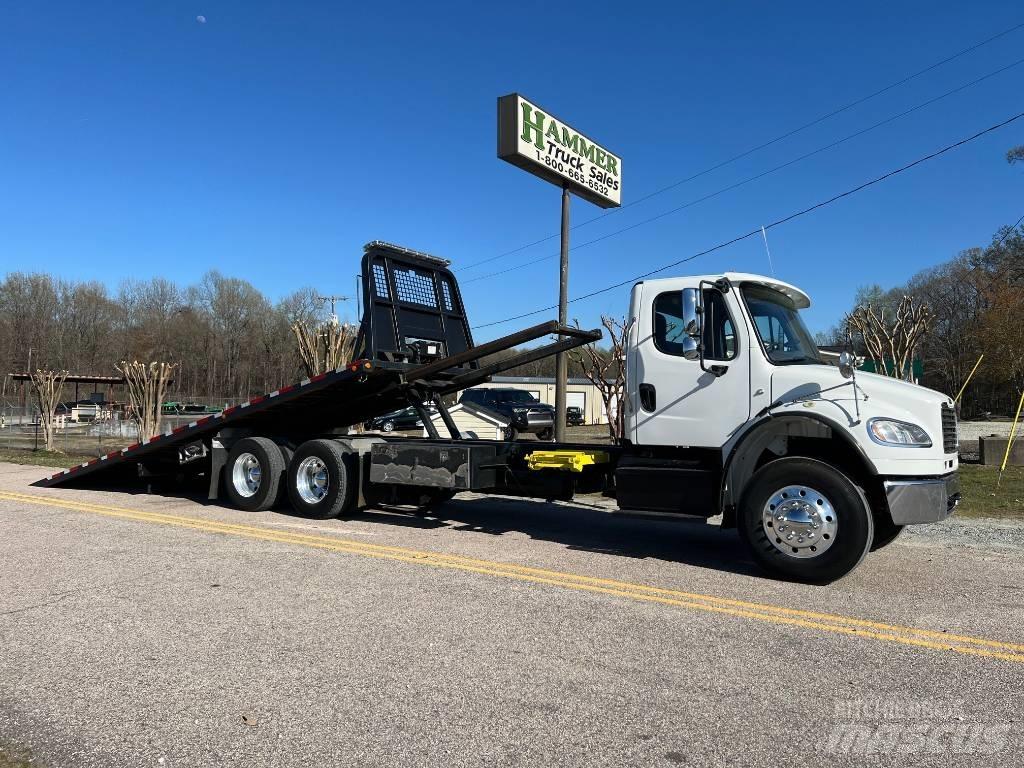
pixel 825 622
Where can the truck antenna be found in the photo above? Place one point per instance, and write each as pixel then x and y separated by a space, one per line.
pixel 853 374
pixel 764 236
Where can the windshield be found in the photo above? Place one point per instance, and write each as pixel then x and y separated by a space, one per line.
pixel 517 396
pixel 783 335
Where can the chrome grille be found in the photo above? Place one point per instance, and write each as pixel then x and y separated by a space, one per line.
pixel 950 441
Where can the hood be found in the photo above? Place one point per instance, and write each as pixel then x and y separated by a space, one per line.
pixel 802 382
pixel 886 386
pixel 823 390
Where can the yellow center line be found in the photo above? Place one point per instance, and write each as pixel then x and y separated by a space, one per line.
pixel 835 623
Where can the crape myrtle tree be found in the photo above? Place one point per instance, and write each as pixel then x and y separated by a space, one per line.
pixel 891 335
pixel 606 370
pixel 147 386
pixel 325 346
pixel 46 391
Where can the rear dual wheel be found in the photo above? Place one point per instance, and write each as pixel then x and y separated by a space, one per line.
pixel 322 480
pixel 254 472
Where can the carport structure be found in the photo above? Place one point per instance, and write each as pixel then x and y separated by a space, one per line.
pixel 78 379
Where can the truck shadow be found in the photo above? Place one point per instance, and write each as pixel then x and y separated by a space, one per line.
pixel 580 526
pixel 585 528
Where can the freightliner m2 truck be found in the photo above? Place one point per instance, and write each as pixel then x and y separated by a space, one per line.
pixel 730 416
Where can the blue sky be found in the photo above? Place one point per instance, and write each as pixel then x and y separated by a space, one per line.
pixel 273 140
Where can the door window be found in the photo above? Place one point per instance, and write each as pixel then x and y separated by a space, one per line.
pixel 668 323
pixel 719 332
pixel 719 335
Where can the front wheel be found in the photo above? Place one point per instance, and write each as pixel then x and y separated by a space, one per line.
pixel 805 520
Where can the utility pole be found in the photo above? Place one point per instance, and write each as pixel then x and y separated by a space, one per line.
pixel 562 359
pixel 333 299
pixel 24 388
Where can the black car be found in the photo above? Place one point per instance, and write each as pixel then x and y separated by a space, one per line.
pixel 406 418
pixel 524 412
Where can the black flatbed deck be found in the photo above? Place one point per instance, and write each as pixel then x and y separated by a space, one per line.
pixel 335 397
pixel 414 346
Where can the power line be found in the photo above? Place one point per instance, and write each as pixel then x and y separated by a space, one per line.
pixel 776 223
pixel 998 276
pixel 761 175
pixel 759 147
pixel 1007 233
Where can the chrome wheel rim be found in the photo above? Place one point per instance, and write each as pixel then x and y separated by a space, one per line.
pixel 800 522
pixel 312 480
pixel 246 475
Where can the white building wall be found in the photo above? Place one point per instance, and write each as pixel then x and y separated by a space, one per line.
pixel 467 421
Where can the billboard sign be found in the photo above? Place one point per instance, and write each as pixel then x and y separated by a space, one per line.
pixel 532 139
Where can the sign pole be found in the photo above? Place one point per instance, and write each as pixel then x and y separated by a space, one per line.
pixel 533 139
pixel 562 360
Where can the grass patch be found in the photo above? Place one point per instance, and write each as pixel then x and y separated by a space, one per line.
pixel 981 498
pixel 17 758
pixel 43 459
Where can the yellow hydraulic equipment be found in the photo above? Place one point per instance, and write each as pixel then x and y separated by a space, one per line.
pixel 569 461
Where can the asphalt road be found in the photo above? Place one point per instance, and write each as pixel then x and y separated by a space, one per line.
pixel 144 630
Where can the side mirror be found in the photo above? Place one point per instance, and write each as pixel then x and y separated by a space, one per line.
pixel 692 314
pixel 847 363
pixel 692 322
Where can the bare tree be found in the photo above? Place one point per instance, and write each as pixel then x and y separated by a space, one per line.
pixel 147 384
pixel 955 293
pixel 46 388
pixel 324 347
pixel 606 370
pixel 892 340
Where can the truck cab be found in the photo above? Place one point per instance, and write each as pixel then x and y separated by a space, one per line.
pixel 816 464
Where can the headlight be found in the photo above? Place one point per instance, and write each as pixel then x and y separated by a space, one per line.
pixel 893 432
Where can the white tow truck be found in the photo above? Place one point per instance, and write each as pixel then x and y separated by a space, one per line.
pixel 731 416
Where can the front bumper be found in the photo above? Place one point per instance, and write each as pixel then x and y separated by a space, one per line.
pixel 924 500
pixel 533 421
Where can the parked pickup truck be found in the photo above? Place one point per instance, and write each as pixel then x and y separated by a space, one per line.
pixel 574 416
pixel 525 413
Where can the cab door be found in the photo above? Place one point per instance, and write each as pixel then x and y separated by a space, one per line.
pixel 676 402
